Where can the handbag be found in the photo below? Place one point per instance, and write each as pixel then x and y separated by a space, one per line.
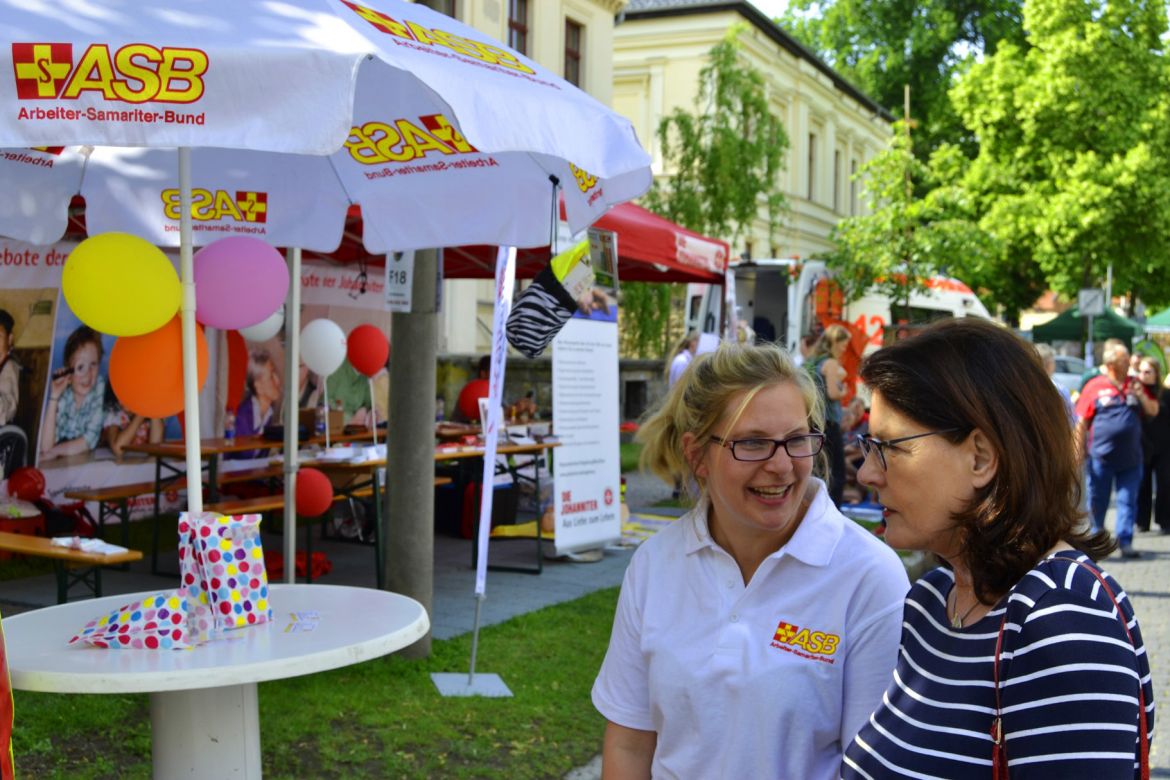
pixel 999 759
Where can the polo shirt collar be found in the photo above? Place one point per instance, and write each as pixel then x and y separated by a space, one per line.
pixel 813 543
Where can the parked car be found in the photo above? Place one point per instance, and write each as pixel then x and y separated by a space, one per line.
pixel 1069 372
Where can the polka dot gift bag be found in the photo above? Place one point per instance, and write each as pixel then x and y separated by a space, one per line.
pixel 221 564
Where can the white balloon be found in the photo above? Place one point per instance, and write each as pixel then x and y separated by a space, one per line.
pixel 266 328
pixel 323 346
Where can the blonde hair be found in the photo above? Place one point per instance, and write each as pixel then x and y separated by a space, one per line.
pixel 683 344
pixel 699 399
pixel 833 335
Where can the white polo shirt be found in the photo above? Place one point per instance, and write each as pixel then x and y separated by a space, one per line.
pixel 771 680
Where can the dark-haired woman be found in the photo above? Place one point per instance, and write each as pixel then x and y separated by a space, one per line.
pixel 1155 452
pixel 1017 634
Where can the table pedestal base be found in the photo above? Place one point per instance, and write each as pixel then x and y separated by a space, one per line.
pixel 212 732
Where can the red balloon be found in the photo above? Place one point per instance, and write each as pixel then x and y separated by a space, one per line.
pixel 367 349
pixel 237 368
pixel 469 397
pixel 146 371
pixel 314 493
pixel 26 483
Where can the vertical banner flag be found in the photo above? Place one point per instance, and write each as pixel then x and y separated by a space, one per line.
pixel 587 479
pixel 730 331
pixel 505 281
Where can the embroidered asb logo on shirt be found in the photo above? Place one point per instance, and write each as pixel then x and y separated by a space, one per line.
pixel 806 643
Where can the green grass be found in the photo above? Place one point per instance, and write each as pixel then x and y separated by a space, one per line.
pixel 629 455
pixel 379 719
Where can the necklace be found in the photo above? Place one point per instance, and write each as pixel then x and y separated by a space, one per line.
pixel 956 619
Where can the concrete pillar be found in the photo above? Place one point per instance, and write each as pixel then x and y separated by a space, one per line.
pixel 408 519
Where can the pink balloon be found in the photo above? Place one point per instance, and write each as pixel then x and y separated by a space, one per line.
pixel 239 281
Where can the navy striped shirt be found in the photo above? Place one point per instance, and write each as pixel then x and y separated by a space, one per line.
pixel 1068 684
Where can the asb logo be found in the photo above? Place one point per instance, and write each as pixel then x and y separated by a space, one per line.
pixel 135 73
pixel 208 205
pixel 403 140
pixel 793 637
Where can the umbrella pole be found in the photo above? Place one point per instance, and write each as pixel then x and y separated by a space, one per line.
pixel 292 362
pixel 190 356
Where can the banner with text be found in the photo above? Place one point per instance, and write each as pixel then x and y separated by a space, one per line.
pixel 587 477
pixel 57 403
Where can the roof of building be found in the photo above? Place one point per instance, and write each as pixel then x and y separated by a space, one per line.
pixel 651 9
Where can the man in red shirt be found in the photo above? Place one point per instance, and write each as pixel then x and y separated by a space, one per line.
pixel 1108 433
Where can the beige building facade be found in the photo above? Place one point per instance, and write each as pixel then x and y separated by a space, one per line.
pixel 574 38
pixel 660 46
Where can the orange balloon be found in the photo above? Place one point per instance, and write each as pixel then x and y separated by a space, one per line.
pixel 146 372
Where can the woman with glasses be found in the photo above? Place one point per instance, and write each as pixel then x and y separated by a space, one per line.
pixel 754 635
pixel 1018 653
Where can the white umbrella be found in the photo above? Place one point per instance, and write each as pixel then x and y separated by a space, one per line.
pixel 286 77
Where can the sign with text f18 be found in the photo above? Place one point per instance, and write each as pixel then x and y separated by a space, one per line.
pixel 587 476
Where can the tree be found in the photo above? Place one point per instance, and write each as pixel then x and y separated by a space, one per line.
pixel 1073 139
pixel 724 159
pixel 906 238
pixel 885 45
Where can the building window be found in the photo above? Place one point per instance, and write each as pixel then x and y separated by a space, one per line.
pixel 853 187
pixel 812 165
pixel 574 34
pixel 518 25
pixel 443 6
pixel 836 180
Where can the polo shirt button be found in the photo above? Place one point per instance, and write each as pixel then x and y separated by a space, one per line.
pixel 734 618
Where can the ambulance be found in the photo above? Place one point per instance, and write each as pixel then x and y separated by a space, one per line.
pixel 782 299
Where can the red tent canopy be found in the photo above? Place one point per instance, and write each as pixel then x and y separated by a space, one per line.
pixel 650 249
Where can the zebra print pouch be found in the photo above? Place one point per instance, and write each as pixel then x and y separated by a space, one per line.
pixel 538 314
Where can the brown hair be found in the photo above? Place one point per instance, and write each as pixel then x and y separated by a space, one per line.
pixel 969 373
pixel 698 400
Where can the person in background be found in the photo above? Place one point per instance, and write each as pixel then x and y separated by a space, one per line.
pixel 349 389
pixel 754 635
pixel 75 412
pixel 1014 634
pixel 122 427
pixel 381 399
pixel 9 370
pixel 681 357
pixel 308 388
pixel 1048 360
pixel 467 405
pixel 825 365
pixel 260 405
pixel 1108 435
pixel 805 347
pixel 1098 370
pixel 1155 452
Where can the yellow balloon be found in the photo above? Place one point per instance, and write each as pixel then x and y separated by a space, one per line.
pixel 120 284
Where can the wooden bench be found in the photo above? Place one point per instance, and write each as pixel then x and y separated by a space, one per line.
pixel 72 566
pixel 261 504
pixel 114 500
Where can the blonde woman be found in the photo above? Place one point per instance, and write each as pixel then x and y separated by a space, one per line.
pixel 753 636
pixel 681 357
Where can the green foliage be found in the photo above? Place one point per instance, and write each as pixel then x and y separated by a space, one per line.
pixel 644 318
pixel 382 718
pixel 927 44
pixel 905 239
pixel 724 157
pixel 1073 140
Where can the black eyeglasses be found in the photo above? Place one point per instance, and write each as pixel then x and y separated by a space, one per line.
pixel 803 446
pixel 869 444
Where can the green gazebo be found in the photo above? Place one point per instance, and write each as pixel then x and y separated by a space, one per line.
pixel 1068 327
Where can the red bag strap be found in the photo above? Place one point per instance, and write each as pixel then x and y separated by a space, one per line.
pixel 999 769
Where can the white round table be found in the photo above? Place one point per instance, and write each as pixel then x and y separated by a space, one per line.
pixel 204 717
